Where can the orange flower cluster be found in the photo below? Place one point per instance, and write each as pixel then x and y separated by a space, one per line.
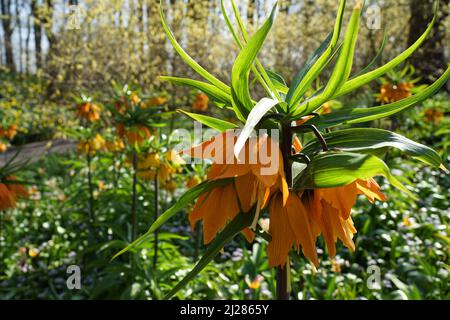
pixel 115 145
pixel 91 146
pixel 151 166
pixel 155 101
pixel 296 218
pixel 201 102
pixel 251 187
pixel 390 93
pixel 433 115
pixel 9 192
pixel 88 111
pixel 9 132
pixel 122 104
pixel 137 134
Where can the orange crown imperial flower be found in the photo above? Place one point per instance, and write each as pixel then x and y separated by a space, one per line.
pixel 391 93
pixel 88 111
pixel 257 173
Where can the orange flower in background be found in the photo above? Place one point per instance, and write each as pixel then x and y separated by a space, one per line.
pixel 88 111
pixel 9 192
pixel 135 98
pixel 9 132
pixel 91 145
pixel 155 101
pixel 253 182
pixel 390 93
pixel 3 147
pixel 201 102
pixel 114 146
pixel 433 115
pixel 137 134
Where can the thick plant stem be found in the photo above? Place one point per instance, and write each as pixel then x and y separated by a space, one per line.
pixel 286 146
pixel 134 199
pixel 156 200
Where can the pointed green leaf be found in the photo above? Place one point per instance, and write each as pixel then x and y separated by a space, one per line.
pixel 239 223
pixel 186 199
pixel 368 139
pixel 241 68
pixel 342 69
pixel 360 115
pixel 212 91
pixel 318 61
pixel 189 60
pixel 336 169
pixel 375 74
pixel 218 124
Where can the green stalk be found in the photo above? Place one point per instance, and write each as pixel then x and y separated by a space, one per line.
pixel 134 198
pixel 91 188
pixel 156 200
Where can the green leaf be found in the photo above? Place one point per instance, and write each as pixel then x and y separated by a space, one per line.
pixel 259 70
pixel 366 78
pixel 316 63
pixel 184 200
pixel 212 91
pixel 241 68
pixel 240 222
pixel 375 59
pixel 375 74
pixel 360 115
pixel 255 116
pixel 336 169
pixel 342 69
pixel 296 91
pixel 278 81
pixel 188 59
pixel 218 124
pixel 368 139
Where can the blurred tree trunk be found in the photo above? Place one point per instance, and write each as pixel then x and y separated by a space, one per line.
pixel 429 60
pixel 19 26
pixel 251 12
pixel 37 33
pixel 5 9
pixel 27 44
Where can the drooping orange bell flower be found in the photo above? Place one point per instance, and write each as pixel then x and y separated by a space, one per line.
pixel 9 192
pixel 257 173
pixel 290 225
pixel 308 214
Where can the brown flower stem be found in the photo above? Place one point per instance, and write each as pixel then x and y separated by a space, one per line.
pixel 134 198
pixel 156 200
pixel 286 147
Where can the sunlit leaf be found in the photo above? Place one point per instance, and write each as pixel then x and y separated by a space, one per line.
pixel 368 139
